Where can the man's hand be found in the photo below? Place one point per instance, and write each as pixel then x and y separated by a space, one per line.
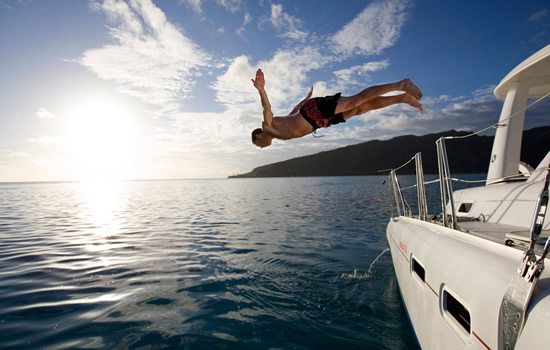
pixel 309 94
pixel 299 105
pixel 259 83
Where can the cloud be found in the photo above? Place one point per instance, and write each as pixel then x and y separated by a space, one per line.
pixel 442 113
pixel 539 22
pixel 3 5
pixel 230 5
pixel 358 75
pixel 287 23
pixel 234 86
pixel 46 140
pixel 194 4
pixel 287 70
pixel 221 138
pixel 539 16
pixel 18 155
pixel 44 113
pixel 376 28
pixel 150 58
pixel 241 30
pixel 286 75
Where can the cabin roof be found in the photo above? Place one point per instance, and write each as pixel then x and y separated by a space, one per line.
pixel 534 71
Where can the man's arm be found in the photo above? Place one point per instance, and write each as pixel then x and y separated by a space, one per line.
pixel 259 84
pixel 299 105
pixel 268 114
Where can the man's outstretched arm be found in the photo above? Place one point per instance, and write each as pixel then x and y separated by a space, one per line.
pixel 259 83
pixel 299 105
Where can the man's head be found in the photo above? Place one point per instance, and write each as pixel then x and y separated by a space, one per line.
pixel 260 138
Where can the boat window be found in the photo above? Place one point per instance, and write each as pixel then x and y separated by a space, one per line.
pixel 465 207
pixel 418 269
pixel 457 311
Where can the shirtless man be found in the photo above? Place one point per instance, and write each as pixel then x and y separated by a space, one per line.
pixel 321 112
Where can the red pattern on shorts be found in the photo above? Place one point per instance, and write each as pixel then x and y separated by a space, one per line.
pixel 312 111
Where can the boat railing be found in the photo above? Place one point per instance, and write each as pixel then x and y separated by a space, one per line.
pixel 448 210
pixel 401 205
pixel 448 215
pixel 445 185
pixel 420 188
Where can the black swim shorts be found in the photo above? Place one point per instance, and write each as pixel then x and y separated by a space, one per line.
pixel 319 111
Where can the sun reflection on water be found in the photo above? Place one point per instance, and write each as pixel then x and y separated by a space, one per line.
pixel 104 202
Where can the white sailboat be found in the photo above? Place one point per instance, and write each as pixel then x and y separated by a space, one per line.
pixel 474 277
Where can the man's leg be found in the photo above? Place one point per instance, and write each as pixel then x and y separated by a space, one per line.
pixel 348 103
pixel 382 102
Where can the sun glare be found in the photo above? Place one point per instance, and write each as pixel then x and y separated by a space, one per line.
pixel 102 140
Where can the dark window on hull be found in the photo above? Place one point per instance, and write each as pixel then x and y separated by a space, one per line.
pixel 457 310
pixel 418 269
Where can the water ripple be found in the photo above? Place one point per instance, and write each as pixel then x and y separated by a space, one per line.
pixel 238 264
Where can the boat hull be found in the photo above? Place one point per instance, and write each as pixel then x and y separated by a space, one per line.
pixel 437 267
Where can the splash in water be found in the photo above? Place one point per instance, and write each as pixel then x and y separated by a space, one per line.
pixel 368 274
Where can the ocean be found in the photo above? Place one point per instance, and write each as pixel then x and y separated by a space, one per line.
pixel 278 263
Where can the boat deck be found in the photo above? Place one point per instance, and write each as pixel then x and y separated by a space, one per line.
pixel 510 235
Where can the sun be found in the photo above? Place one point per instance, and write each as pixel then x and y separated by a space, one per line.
pixel 102 140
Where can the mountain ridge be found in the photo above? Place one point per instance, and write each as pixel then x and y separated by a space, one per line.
pixel 368 158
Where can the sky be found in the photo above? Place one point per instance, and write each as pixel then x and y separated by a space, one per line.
pixel 143 89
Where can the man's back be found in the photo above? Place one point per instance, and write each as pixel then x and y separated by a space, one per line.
pixel 289 127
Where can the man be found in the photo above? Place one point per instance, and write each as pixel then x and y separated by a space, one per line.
pixel 321 112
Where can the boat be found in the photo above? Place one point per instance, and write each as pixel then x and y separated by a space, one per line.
pixel 473 276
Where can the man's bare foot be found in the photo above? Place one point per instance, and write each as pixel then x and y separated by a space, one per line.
pixel 412 89
pixel 411 100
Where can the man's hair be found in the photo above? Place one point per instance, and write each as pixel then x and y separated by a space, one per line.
pixel 255 133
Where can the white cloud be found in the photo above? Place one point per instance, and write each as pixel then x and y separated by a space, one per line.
pixel 287 23
pixel 247 19
pixel 230 5
pixel 358 75
pixel 18 155
pixel 285 73
pixel 46 140
pixel 376 28
pixel 44 113
pixel 278 17
pixel 194 4
pixel 234 86
pixel 442 113
pixel 151 58
pixel 221 138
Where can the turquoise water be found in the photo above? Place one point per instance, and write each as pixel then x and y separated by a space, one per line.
pixel 199 264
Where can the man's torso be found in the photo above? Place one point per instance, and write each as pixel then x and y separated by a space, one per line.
pixel 291 126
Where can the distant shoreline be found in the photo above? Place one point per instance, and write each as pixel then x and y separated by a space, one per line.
pixel 212 179
pixel 368 158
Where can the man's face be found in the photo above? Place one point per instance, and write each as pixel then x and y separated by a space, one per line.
pixel 262 140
